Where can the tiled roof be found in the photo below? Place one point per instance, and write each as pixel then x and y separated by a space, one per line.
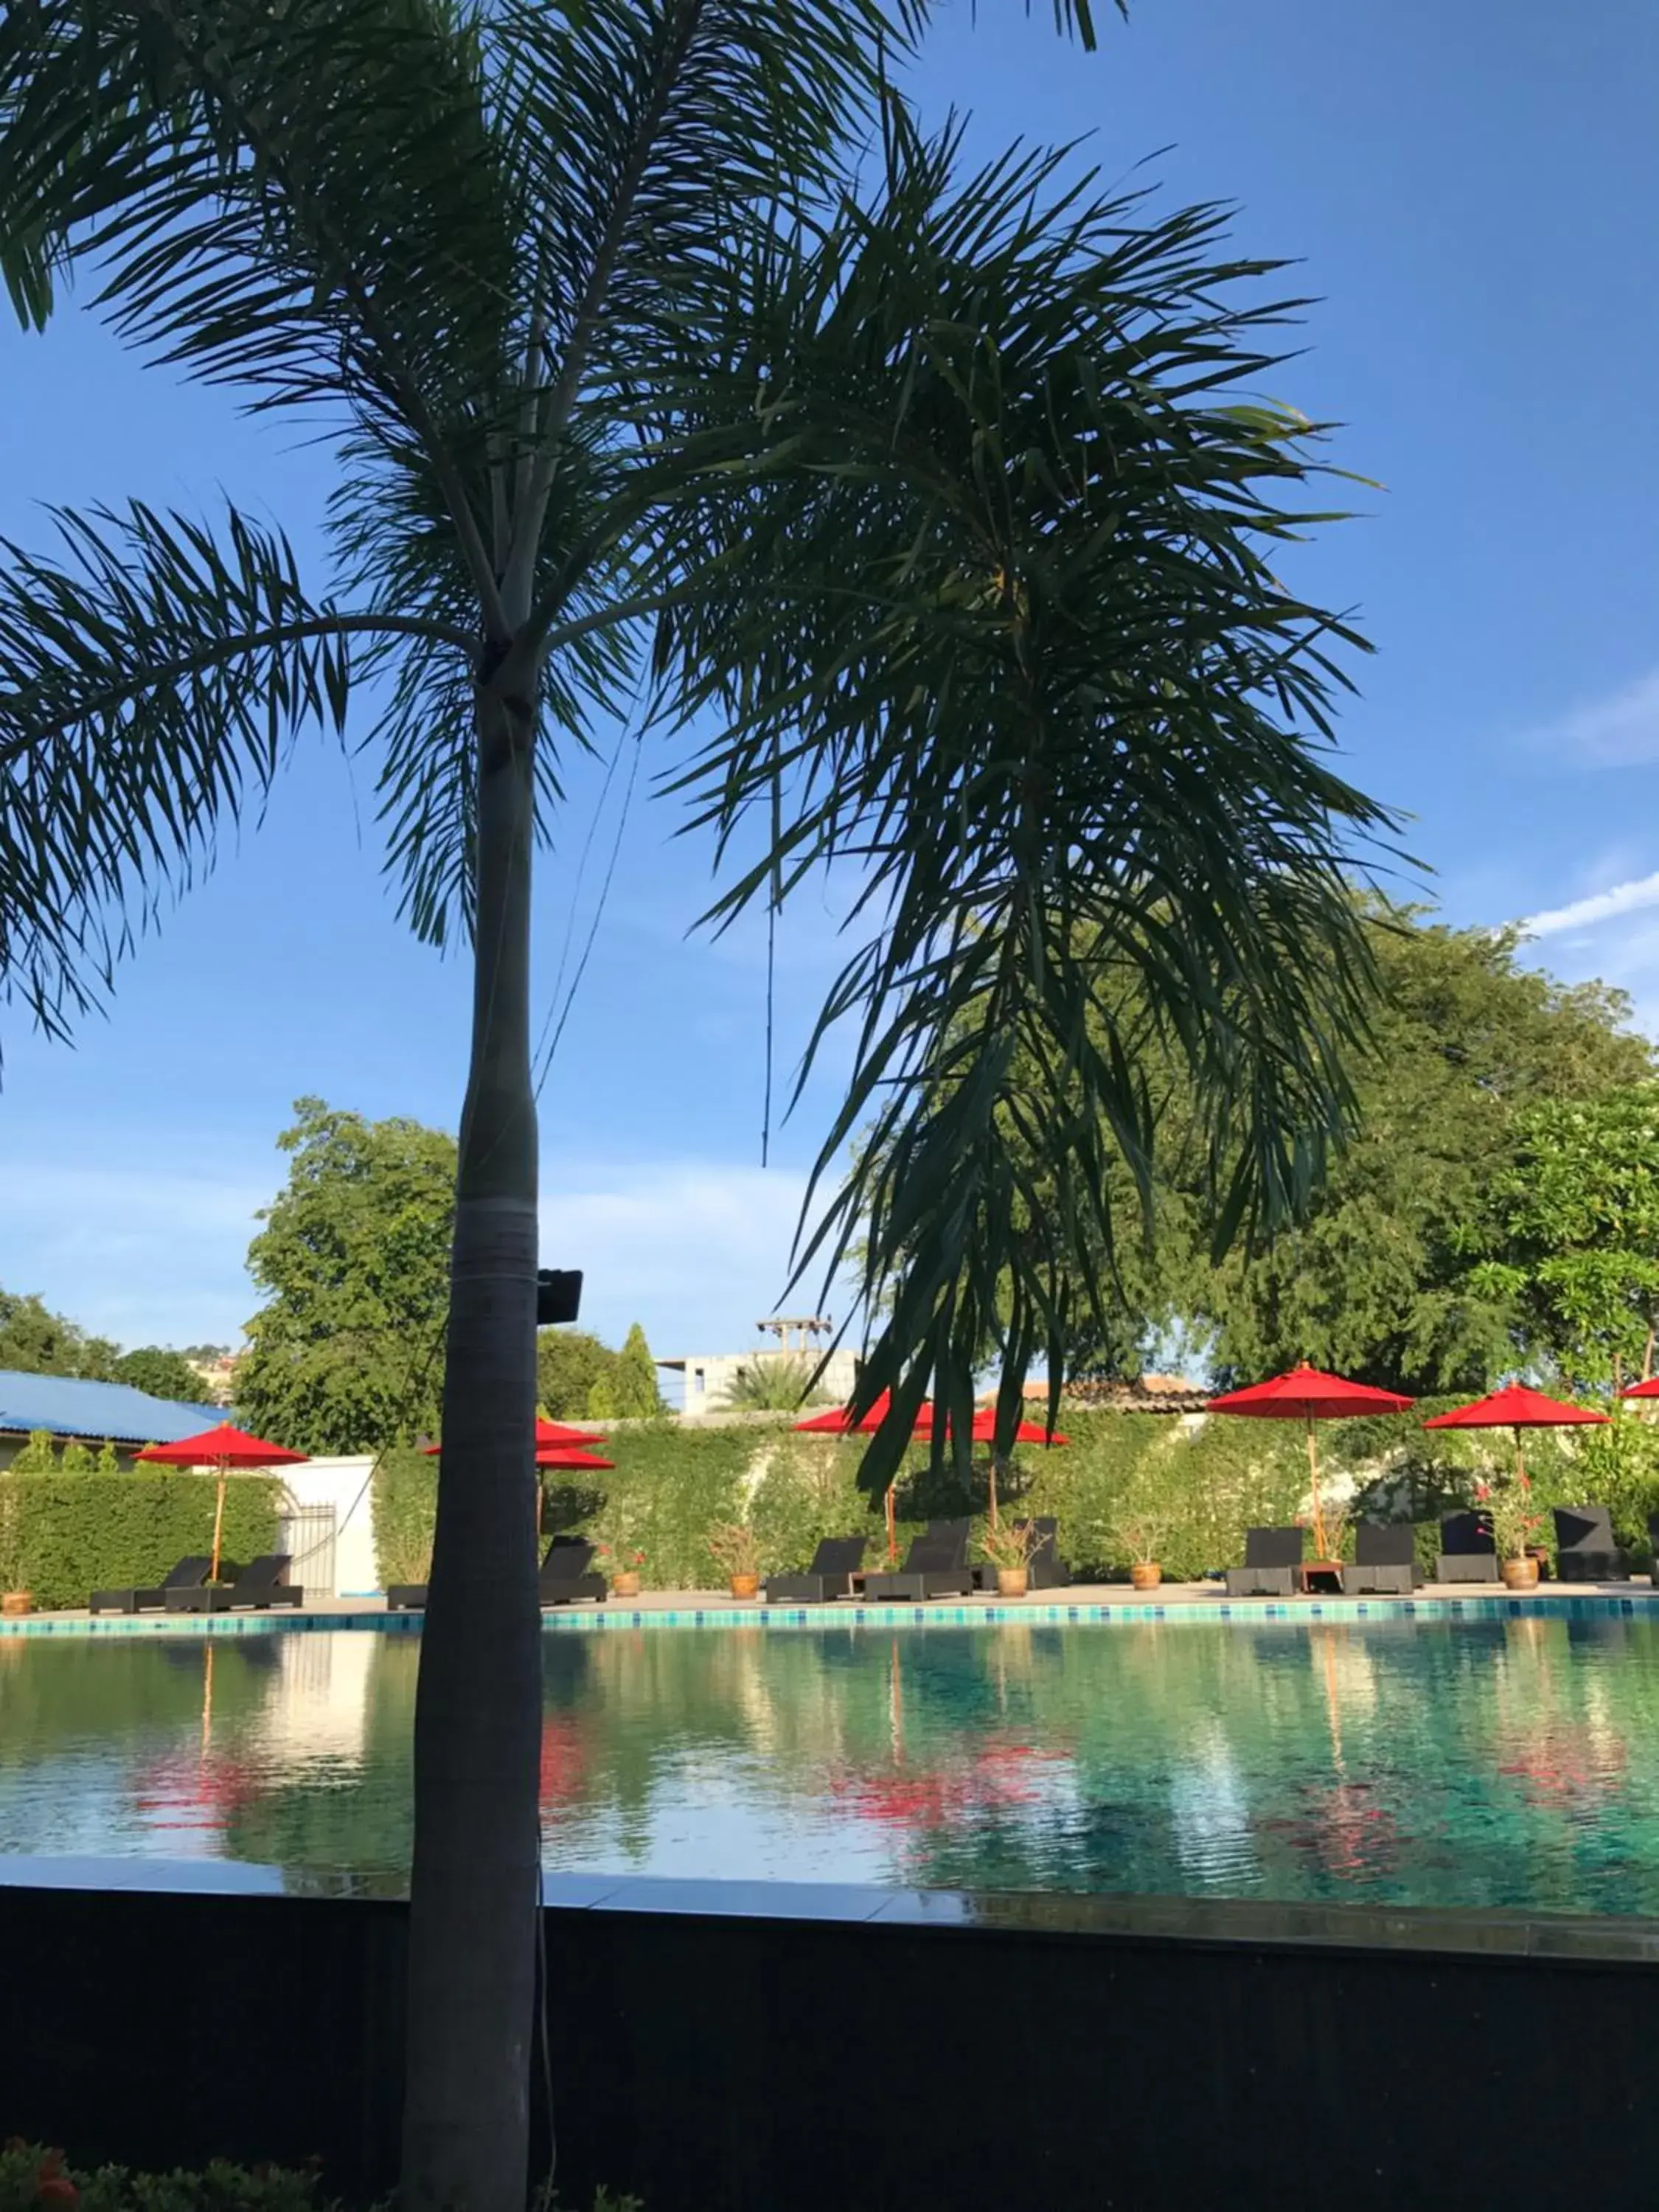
pixel 70 1407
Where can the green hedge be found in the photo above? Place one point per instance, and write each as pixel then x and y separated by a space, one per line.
pixel 65 1535
pixel 405 1498
pixel 1205 1481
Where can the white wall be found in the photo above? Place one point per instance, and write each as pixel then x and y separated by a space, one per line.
pixel 344 1484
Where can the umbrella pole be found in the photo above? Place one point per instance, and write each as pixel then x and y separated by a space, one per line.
pixel 1313 1478
pixel 892 1527
pixel 218 1526
pixel 994 1489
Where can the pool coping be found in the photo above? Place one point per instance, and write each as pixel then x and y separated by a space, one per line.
pixel 1215 1922
pixel 597 1619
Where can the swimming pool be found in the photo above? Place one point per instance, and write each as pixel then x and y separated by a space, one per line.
pixel 1413 1761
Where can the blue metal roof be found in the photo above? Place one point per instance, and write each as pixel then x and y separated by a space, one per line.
pixel 70 1407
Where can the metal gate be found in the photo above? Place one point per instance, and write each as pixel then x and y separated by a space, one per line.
pixel 307 1534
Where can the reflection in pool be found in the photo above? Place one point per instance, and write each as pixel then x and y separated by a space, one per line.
pixel 1503 1762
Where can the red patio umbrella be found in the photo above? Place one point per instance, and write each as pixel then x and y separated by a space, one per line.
pixel 1648 1390
pixel 548 1434
pixel 1516 1407
pixel 1306 1394
pixel 566 1455
pixel 224 1447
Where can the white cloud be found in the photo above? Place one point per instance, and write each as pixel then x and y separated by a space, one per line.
pixel 143 1256
pixel 1617 731
pixel 697 1250
pixel 1600 906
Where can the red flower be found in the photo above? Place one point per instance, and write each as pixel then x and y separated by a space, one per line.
pixel 59 2189
pixel 52 2165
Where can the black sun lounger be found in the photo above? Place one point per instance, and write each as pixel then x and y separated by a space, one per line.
pixel 1048 1570
pixel 189 1574
pixel 264 1583
pixel 1587 1551
pixel 1385 1558
pixel 1272 1557
pixel 834 1562
pixel 563 1577
pixel 1467 1554
pixel 935 1566
pixel 566 1574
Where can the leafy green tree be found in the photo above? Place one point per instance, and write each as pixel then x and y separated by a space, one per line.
pixel 568 1363
pixel 1377 1282
pixel 634 1380
pixel 163 1373
pixel 1571 1237
pixel 959 553
pixel 346 1354
pixel 601 1399
pixel 35 1341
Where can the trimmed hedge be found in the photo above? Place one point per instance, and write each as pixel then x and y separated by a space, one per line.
pixel 405 1499
pixel 1204 1479
pixel 65 1535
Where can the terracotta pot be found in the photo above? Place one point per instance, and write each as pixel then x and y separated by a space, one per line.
pixel 1013 1582
pixel 1145 1574
pixel 745 1585
pixel 17 1601
pixel 626 1584
pixel 1519 1574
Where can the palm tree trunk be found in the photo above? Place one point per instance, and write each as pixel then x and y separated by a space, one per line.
pixel 474 1889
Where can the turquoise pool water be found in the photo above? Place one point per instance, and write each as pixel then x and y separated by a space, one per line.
pixel 1511 1762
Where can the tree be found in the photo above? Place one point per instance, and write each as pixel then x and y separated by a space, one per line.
pixel 163 1373
pixel 634 1380
pixel 601 1399
pixel 568 1363
pixel 1378 1281
pixel 1571 1237
pixel 955 543
pixel 346 1354
pixel 34 1341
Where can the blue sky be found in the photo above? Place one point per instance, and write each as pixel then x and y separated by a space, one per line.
pixel 1470 194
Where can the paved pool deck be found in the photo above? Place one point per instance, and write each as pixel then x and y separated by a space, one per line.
pixel 1077 1603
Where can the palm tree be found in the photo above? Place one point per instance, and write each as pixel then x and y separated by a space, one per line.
pixel 777 1384
pixel 932 496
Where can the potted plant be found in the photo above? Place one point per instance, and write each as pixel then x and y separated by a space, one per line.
pixel 1008 1547
pixel 621 1562
pixel 736 1553
pixel 1141 1535
pixel 1514 1522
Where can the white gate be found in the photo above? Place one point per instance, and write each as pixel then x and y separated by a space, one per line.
pixel 307 1534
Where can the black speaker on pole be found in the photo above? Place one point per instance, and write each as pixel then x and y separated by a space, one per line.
pixel 558 1295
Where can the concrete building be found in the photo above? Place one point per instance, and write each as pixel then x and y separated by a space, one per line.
pixel 708 1378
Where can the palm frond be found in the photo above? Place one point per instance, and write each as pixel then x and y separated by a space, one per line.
pixel 302 202
pixel 1022 663
pixel 151 675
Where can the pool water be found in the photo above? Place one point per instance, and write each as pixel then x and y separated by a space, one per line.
pixel 1511 1762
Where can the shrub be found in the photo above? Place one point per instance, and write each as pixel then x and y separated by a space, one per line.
pixel 34 2179
pixel 70 1534
pixel 405 1492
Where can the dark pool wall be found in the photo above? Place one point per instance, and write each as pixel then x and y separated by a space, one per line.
pixel 1072 2053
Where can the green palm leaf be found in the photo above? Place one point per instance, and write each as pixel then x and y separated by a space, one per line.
pixel 1039 686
